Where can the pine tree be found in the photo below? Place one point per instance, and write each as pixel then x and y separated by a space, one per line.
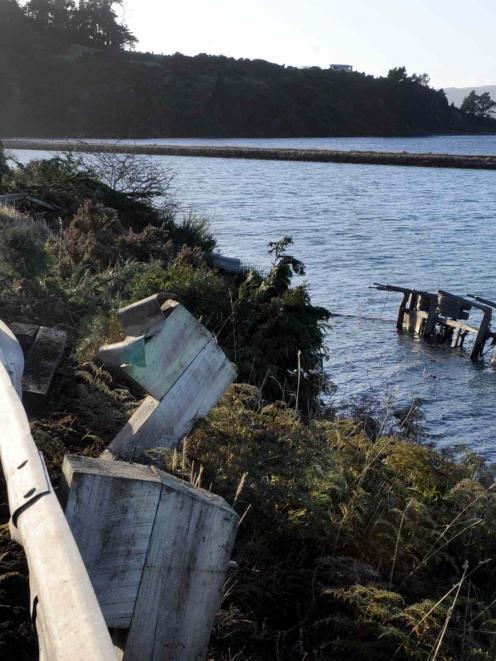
pixel 96 22
pixel 51 13
pixel 481 105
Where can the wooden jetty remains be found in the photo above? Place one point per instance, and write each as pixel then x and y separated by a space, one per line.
pixel 443 317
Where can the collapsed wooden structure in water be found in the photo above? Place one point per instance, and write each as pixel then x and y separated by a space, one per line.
pixel 442 317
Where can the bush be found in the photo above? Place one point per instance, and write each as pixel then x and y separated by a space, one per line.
pixel 200 289
pixel 67 182
pixel 192 231
pixel 23 252
pixel 349 546
pixel 152 243
pixel 95 239
pixel 279 336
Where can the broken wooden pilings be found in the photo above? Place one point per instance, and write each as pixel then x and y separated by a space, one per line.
pixel 442 316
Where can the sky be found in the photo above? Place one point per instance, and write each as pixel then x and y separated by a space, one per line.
pixel 451 40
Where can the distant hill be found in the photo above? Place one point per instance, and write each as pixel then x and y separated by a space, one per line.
pixel 457 94
pixel 52 87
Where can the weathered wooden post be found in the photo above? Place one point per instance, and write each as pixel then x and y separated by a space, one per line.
pixel 430 302
pixel 175 359
pixel 457 307
pixel 157 550
pixel 487 302
pixel 402 310
pixel 68 619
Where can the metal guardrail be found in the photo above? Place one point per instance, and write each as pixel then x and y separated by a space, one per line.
pixel 64 607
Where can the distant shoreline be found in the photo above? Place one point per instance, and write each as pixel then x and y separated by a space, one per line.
pixel 473 162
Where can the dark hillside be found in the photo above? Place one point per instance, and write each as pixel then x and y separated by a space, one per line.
pixel 54 87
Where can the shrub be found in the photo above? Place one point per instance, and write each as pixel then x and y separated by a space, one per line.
pixel 94 239
pixel 200 289
pixel 349 547
pixel 23 252
pixel 136 175
pixel 192 231
pixel 67 182
pixel 152 243
pixel 279 335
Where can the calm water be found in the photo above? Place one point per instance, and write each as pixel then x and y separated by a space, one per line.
pixel 355 224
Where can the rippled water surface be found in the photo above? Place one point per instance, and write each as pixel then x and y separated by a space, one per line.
pixel 356 224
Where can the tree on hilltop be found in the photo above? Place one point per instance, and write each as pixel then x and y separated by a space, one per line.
pixel 480 105
pixel 96 22
pixel 89 22
pixel 50 13
pixel 400 75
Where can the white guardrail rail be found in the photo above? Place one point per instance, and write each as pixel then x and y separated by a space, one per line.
pixel 64 607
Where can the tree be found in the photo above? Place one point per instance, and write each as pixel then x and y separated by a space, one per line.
pixel 51 13
pixel 138 176
pixel 480 105
pixel 400 75
pixel 10 14
pixel 96 22
pixel 421 79
pixel 91 22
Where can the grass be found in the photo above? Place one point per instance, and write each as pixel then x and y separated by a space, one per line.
pixel 339 556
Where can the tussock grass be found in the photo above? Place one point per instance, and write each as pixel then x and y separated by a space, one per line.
pixel 340 556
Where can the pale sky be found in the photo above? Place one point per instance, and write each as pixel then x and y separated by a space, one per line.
pixel 451 40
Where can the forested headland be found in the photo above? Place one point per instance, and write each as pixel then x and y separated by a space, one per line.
pixel 66 70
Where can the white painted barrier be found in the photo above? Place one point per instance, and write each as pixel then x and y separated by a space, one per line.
pixel 68 619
